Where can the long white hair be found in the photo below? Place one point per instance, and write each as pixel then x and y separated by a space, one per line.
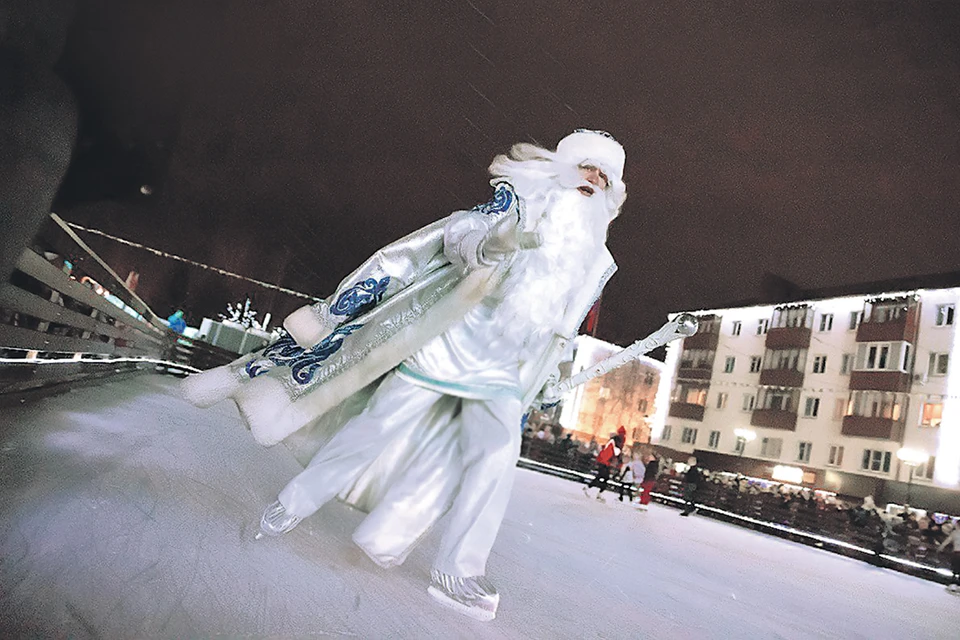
pixel 574 229
pixel 534 171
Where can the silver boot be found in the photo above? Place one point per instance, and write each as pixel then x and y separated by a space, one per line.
pixel 276 521
pixel 473 596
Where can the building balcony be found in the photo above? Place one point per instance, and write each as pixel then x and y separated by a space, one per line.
pixel 788 338
pixel 781 377
pixel 686 411
pixel 896 381
pixel 902 328
pixel 706 341
pixel 774 419
pixel 866 427
pixel 694 373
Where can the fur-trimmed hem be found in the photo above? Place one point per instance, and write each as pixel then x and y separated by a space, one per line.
pixel 306 327
pixel 207 388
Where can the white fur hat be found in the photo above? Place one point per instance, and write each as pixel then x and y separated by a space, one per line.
pixel 596 147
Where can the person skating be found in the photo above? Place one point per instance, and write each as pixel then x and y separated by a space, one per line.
pixel 607 457
pixel 417 369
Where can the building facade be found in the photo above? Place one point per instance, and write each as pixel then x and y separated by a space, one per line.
pixel 854 394
pixel 624 397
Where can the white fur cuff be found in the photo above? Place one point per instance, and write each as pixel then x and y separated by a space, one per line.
pixel 307 327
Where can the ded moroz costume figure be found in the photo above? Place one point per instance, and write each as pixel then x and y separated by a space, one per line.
pixel 405 388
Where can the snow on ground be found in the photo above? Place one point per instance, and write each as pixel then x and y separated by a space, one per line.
pixel 125 512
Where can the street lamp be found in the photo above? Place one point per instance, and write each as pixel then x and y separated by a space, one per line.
pixel 913 458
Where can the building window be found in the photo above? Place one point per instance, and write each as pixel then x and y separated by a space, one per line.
pixel 845 361
pixel 736 328
pixel 820 364
pixel 789 359
pixel 739 446
pixel 728 365
pixel 855 318
pixel 780 399
pixel 755 364
pixel 690 393
pixel 811 408
pixel 722 400
pixel 770 447
pixel 835 459
pixel 877 404
pixel 714 440
pixel 925 470
pixel 749 400
pixel 938 364
pixel 874 460
pixel 826 322
pixel 642 405
pixel 688 436
pixel 944 315
pixel 696 359
pixel 883 356
pixel 665 435
pixel 793 317
pixel 803 451
pixel 931 414
pixel 763 326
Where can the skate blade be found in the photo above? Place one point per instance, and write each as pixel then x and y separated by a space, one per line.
pixel 471 612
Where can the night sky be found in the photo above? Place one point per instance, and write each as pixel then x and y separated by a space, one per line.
pixel 287 140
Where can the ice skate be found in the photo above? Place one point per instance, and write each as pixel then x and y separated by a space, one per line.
pixel 600 498
pixel 276 521
pixel 641 507
pixel 474 597
pixel 586 490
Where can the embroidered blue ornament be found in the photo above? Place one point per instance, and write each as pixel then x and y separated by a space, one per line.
pixel 360 298
pixel 306 365
pixel 281 353
pixel 503 198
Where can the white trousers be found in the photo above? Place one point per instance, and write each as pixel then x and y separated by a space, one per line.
pixel 489 435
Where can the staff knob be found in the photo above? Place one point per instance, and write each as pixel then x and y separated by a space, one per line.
pixel 687 324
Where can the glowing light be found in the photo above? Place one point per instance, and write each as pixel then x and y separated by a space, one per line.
pixel 912 457
pixel 746 434
pixel 787 473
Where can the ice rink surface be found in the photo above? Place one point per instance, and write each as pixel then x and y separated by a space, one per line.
pixel 127 513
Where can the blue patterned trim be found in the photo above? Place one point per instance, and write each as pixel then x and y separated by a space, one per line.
pixel 503 198
pixel 360 298
pixel 305 366
pixel 303 363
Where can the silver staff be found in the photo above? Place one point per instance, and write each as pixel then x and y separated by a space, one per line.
pixel 682 326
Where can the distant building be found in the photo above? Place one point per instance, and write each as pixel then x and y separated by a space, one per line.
pixel 826 391
pixel 625 396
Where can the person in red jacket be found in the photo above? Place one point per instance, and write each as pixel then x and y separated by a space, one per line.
pixel 608 457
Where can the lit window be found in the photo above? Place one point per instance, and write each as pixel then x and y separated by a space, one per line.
pixel 826 322
pixel 839 408
pixel 931 415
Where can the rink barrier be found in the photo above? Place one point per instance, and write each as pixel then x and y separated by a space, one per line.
pixel 66 318
pixel 819 541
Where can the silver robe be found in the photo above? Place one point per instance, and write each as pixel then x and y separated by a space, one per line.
pixel 403 296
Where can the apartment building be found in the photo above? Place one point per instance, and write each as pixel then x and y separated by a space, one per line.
pixel 857 394
pixel 625 396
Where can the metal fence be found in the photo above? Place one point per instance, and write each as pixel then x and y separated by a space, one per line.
pixel 66 317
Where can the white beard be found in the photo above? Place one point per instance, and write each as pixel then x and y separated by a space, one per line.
pixel 539 285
